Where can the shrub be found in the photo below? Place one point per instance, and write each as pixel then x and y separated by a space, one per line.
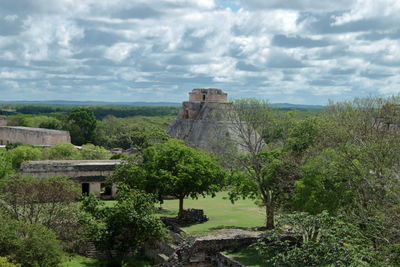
pixel 315 240
pixel 29 244
pixel 24 153
pixel 5 263
pixel 127 225
pixel 91 152
pixel 62 152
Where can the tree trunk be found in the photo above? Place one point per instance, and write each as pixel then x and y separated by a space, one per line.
pixel 180 206
pixel 270 212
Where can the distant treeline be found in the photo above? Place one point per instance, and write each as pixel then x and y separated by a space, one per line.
pixel 99 111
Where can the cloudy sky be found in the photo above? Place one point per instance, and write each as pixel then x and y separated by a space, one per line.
pixel 296 51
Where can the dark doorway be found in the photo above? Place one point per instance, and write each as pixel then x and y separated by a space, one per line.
pixel 85 188
pixel 186 114
pixel 105 189
pixel 204 97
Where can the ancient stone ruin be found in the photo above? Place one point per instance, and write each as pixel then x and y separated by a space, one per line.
pixel 202 120
pixel 3 121
pixel 90 174
pixel 32 136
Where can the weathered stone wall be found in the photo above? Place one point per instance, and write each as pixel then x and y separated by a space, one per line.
pixel 211 125
pixel 222 260
pixel 90 172
pixel 33 136
pixel 3 121
pixel 205 126
pixel 208 95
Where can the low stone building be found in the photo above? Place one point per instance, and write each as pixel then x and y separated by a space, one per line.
pixel 32 136
pixel 90 174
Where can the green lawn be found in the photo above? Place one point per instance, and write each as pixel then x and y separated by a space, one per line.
pixel 221 213
pixel 248 257
pixel 79 261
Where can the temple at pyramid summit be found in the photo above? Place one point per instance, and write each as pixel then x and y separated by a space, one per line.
pixel 202 121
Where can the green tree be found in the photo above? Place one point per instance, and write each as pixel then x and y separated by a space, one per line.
pixel 352 167
pixel 130 132
pixel 175 169
pixel 51 123
pixel 301 239
pixel 81 124
pixel 61 152
pixel 5 164
pixel 125 226
pixel 30 245
pixel 92 152
pixel 251 122
pixel 5 263
pixel 24 153
pixel 48 201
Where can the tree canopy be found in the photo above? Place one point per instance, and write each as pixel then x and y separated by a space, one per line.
pixel 82 124
pixel 172 168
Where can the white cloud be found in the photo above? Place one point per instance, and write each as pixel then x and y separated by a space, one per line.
pixel 367 9
pixel 157 50
pixel 119 51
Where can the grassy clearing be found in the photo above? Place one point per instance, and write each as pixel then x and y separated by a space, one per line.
pixel 248 257
pixel 79 261
pixel 220 211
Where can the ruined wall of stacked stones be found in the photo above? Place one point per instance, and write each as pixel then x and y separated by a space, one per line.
pixel 208 95
pixel 33 136
pixel 3 121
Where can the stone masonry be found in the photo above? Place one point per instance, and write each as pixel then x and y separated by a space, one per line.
pixel 202 121
pixel 32 136
pixel 91 174
pixel 3 121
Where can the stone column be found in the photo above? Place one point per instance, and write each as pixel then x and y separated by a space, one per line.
pixel 95 189
pixel 114 190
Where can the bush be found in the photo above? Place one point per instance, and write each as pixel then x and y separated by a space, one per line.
pixel 51 123
pixel 92 152
pixel 5 263
pixel 127 225
pixel 29 244
pixel 24 153
pixel 5 164
pixel 49 201
pixel 315 240
pixel 61 152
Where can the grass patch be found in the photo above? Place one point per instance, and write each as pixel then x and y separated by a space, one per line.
pixel 221 212
pixel 80 261
pixel 248 257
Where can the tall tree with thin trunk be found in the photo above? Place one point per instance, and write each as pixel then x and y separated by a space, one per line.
pixel 250 119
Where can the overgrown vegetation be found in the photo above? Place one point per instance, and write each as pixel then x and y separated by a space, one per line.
pixel 328 182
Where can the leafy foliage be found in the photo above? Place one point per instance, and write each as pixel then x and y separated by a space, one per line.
pixel 61 152
pixel 129 133
pixel 5 263
pixel 5 164
pixel 45 201
pixel 172 168
pixel 315 240
pixel 81 124
pixel 30 245
pixel 23 153
pixel 92 152
pixel 127 225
